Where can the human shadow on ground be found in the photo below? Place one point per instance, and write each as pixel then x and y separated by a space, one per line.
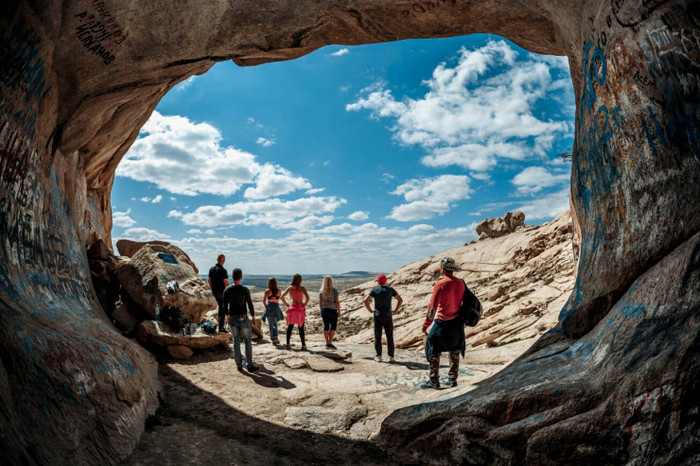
pixel 193 425
pixel 267 378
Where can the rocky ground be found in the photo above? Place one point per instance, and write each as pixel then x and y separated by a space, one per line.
pixel 322 406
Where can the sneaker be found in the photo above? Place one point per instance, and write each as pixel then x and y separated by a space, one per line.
pixel 253 367
pixel 303 347
pixel 451 383
pixel 378 358
pixel 391 359
pixel 223 330
pixel 328 346
pixel 288 347
pixel 240 368
pixel 331 346
pixel 431 384
pixel 275 342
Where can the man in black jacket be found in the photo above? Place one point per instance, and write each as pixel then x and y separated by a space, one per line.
pixel 218 281
pixel 236 298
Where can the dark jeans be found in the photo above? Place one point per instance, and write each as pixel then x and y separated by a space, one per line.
pixel 222 315
pixel 290 327
pixel 386 323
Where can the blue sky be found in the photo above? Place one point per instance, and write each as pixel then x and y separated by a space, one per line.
pixel 350 158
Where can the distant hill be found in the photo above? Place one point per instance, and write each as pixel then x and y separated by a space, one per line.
pixel 312 282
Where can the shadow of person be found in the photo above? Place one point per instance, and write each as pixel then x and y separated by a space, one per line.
pixel 193 425
pixel 268 379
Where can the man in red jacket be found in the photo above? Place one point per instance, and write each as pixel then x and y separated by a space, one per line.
pixel 447 333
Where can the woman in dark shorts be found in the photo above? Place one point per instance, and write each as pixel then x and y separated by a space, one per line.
pixel 330 310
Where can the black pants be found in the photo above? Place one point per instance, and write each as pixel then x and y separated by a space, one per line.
pixel 222 314
pixel 290 327
pixel 387 323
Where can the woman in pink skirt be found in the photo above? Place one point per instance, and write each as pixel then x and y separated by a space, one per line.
pixel 296 311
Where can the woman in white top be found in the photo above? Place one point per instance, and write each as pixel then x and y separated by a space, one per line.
pixel 330 310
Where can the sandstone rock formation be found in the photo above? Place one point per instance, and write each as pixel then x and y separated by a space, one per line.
pixel 497 227
pixel 128 248
pixel 144 278
pixel 79 79
pixel 522 280
pixel 156 335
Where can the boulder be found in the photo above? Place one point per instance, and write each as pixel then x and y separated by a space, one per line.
pixel 497 227
pixel 144 277
pixel 179 351
pixel 125 317
pixel 156 334
pixel 128 248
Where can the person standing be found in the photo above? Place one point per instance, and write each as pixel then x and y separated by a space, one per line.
pixel 447 333
pixel 296 311
pixel 330 310
pixel 236 298
pixel 272 313
pixel 218 281
pixel 383 319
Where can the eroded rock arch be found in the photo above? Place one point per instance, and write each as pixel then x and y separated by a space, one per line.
pixel 616 380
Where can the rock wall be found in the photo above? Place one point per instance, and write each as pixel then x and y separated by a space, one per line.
pixel 80 77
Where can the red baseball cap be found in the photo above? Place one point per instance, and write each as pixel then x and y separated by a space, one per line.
pixel 381 279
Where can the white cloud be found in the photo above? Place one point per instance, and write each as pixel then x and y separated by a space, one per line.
pixel 547 206
pixel 276 213
pixel 264 142
pixel 183 157
pixel 475 114
pixel 122 219
pixel 428 197
pixel 157 199
pixel 358 216
pixel 194 231
pixel 175 214
pixel 184 84
pixel 275 181
pixel 310 192
pixel 341 52
pixel 352 247
pixel 534 179
pixel 144 234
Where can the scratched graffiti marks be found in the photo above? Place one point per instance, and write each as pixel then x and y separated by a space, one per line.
pixel 22 76
pixel 98 31
pixel 424 6
pixel 630 13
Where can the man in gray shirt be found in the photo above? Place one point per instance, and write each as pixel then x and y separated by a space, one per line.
pixel 382 295
pixel 236 298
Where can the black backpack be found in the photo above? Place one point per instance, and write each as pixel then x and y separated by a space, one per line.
pixel 470 310
pixel 173 318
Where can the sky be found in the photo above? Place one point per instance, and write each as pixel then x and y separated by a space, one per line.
pixel 350 158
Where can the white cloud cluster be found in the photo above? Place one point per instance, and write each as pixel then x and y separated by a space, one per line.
pixel 330 249
pixel 144 234
pixel 265 142
pixel 475 114
pixel 533 179
pixel 547 206
pixel 359 215
pixel 341 52
pixel 154 200
pixel 187 158
pixel 428 197
pixel 303 213
pixel 122 219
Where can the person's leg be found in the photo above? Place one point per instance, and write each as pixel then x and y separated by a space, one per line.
pixel 236 333
pixel 389 330
pixel 454 365
pixel 301 335
pixel 290 327
pixel 377 337
pixel 222 315
pixel 272 319
pixel 326 325
pixel 333 326
pixel 247 336
pixel 434 365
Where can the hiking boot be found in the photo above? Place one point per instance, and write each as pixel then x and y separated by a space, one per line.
pixel 303 347
pixel 431 384
pixel 451 383
pixel 253 367
pixel 275 342
pixel 378 358
pixel 288 347
pixel 391 359
pixel 240 368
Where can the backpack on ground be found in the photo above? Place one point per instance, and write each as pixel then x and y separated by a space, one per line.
pixel 470 310
pixel 173 318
